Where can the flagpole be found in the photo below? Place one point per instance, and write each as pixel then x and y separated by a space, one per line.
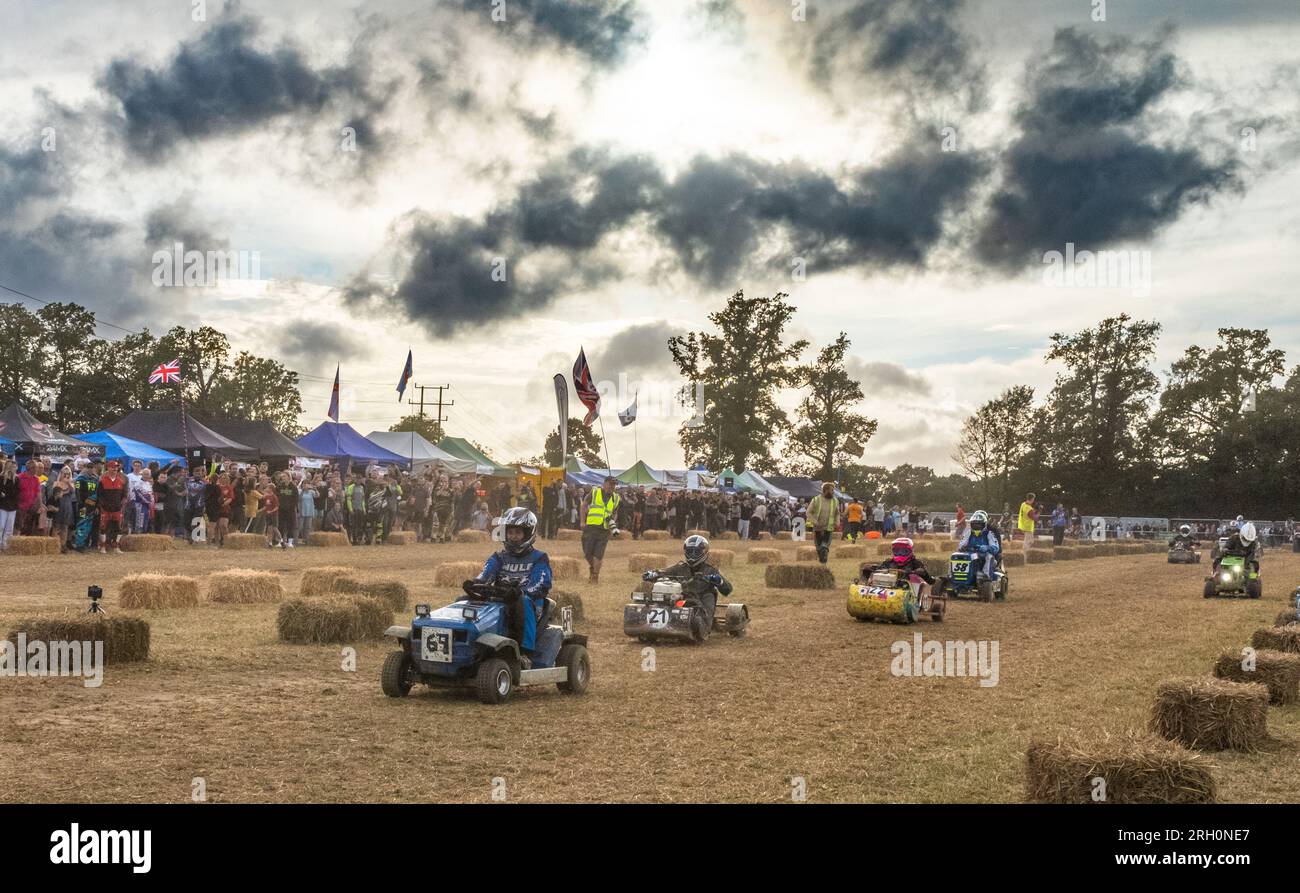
pixel 608 467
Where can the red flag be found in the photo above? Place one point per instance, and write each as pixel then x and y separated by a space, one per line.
pixel 587 392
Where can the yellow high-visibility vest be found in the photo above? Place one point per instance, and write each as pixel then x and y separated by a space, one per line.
pixel 600 512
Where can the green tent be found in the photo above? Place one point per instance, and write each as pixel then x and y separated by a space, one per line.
pixel 463 449
pixel 641 475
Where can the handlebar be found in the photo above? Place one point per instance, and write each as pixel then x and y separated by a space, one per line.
pixel 491 591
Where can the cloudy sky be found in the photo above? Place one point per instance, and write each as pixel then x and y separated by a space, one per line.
pixel 898 168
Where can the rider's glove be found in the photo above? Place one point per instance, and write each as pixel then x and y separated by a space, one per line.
pixel 469 585
pixel 715 579
pixel 650 576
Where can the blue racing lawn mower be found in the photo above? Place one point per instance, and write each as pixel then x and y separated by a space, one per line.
pixel 475 641
pixel 964 578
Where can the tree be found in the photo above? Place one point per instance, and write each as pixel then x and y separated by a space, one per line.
pixel 584 443
pixel 741 368
pixel 203 353
pixel 66 333
pixel 259 389
pixel 994 445
pixel 424 426
pixel 827 425
pixel 20 353
pixel 1099 405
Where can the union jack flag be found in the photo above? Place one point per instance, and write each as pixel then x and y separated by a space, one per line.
pixel 586 389
pixel 166 373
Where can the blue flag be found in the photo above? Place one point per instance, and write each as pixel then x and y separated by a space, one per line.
pixel 406 376
pixel 334 397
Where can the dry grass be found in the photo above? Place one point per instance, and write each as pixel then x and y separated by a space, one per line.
pixel 219 697
pixel 799 576
pixel 1278 671
pixel 241 586
pixel 453 573
pixel 1211 714
pixel 320 580
pixel 763 556
pixel 147 542
pixel 393 593
pixel 156 591
pixel 564 567
pixel 327 539
pixel 647 561
pixel 125 638
pixel 473 536
pixel 1135 769
pixel 336 619
pixel 32 545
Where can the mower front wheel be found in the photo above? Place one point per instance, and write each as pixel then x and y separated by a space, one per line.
pixel 494 681
pixel 578 661
pixel 986 591
pixel 1210 590
pixel 395 678
pixel 1254 589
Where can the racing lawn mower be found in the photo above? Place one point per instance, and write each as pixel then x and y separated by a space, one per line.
pixel 672 609
pixel 896 597
pixel 963 579
pixel 474 641
pixel 1233 578
pixel 1181 553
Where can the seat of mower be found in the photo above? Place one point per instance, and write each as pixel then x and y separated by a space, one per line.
pixel 548 608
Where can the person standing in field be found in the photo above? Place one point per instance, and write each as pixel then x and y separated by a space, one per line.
pixel 823 512
pixel 1058 525
pixel 1028 521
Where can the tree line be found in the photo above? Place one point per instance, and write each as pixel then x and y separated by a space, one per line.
pixel 95 381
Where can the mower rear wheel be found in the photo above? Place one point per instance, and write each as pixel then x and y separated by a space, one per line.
pixel 493 681
pixel 1254 589
pixel 700 628
pixel 576 658
pixel 395 678
pixel 1003 589
pixel 985 591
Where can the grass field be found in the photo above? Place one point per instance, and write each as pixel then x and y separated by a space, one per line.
pixel 1083 645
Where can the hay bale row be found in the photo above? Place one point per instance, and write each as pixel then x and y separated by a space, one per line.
pixel 146 542
pixel 1105 550
pixel 1277 671
pixel 336 619
pixel 722 557
pixel 32 545
pixel 1135 769
pixel 1040 556
pixel 763 535
pixel 654 534
pixel 1065 553
pixel 400 538
pixel 472 536
pixel 391 592
pixel 1286 618
pixel 855 553
pixel 647 561
pixel 241 542
pixel 798 576
pixel 320 580
pixel 1211 714
pixel 568 533
pixel 1279 638
pixel 785 535
pixel 805 553
pixel 1013 559
pixel 763 556
pixel 728 535
pixel 564 567
pixel 565 599
pixel 703 533
pixel 327 539
pixel 453 573
pixel 125 638
pixel 240 586
pixel 157 591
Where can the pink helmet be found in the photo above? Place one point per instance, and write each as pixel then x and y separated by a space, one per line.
pixel 902 549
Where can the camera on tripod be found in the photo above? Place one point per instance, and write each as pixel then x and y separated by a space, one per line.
pixel 94 593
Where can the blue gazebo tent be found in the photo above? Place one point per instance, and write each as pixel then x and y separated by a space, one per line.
pixel 340 442
pixel 126 450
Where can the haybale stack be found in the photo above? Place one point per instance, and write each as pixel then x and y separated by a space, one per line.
pixel 472 536
pixel 453 573
pixel 654 534
pixel 647 561
pixel 565 599
pixel 33 545
pixel 1065 553
pixel 1279 638
pixel 728 535
pixel 320 580
pixel 784 535
pixel 565 567
pixel 799 576
pixel 1135 768
pixel 1278 671
pixel 1040 556
pixel 1211 714
pixel 1105 550
pixel 1286 617
pixel 568 533
pixel 763 556
pixel 125 638
pixel 1014 558
pixel 703 533
pixel 241 586
pixel 245 541
pixel 147 542
pixel 400 538
pixel 338 619
pixel 389 591
pixel 856 553
pixel 327 539
pixel 1084 550
pixel 763 535
pixel 805 553
pixel 722 557
pixel 158 591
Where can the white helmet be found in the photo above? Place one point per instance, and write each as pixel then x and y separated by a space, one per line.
pixel 1185 530
pixel 1248 532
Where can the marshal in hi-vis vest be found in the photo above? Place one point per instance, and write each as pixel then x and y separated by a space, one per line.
pixel 600 512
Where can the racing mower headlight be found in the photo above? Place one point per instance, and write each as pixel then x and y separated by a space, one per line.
pixel 638 596
pixel 470 614
pixel 422 610
pixel 1227 578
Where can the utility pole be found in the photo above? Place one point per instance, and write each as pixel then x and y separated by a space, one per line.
pixel 441 403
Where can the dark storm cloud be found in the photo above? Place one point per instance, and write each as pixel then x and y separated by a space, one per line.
pixel 714 217
pixel 638 349
pixel 1086 165
pixel 309 346
pixel 879 377
pixel 601 30
pixel 179 222
pixel 223 83
pixel 914 45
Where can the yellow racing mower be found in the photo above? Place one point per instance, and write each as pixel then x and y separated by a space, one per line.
pixel 895 596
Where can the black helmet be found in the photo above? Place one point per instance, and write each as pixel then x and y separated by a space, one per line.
pixel 522 518
pixel 696 549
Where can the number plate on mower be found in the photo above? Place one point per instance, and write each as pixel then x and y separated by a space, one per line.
pixel 959 568
pixel 657 617
pixel 435 644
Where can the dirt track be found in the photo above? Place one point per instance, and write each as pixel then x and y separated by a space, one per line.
pixel 809 693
